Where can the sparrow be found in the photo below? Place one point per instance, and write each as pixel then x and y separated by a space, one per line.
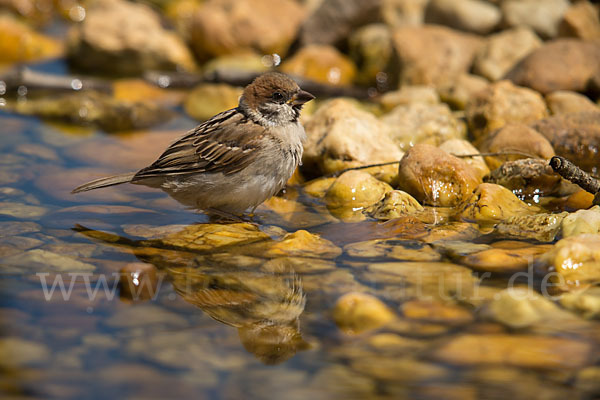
pixel 235 160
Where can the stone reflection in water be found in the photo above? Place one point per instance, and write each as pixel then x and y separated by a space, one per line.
pixel 263 299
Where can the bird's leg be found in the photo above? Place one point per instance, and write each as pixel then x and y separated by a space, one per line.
pixel 227 216
pixel 224 215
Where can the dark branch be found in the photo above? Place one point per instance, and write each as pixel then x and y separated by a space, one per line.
pixel 576 175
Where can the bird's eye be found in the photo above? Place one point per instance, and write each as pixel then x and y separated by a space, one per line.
pixel 277 96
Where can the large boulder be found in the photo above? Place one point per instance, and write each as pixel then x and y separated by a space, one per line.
pixel 341 135
pixel 563 64
pixel 433 55
pixel 223 27
pixel 125 38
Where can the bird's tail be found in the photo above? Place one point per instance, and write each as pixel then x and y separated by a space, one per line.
pixel 104 182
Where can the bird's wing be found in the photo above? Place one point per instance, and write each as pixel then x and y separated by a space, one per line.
pixel 214 146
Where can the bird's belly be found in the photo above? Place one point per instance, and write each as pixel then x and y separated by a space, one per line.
pixel 232 193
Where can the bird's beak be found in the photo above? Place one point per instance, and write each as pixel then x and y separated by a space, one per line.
pixel 301 97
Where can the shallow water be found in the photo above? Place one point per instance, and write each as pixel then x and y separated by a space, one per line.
pixel 241 320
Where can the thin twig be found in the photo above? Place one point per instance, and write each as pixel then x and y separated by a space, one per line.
pixel 497 154
pixel 338 173
pixel 503 153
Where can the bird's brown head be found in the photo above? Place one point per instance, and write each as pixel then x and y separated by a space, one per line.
pixel 274 99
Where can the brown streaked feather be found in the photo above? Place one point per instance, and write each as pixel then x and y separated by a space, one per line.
pixel 214 146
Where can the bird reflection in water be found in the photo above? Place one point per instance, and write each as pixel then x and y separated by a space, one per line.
pixel 262 298
pixel 263 304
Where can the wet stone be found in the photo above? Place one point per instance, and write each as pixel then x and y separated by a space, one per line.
pixel 541 227
pixel 298 244
pixel 416 328
pixel 395 204
pixel 504 260
pixel 409 250
pixel 579 200
pixel 458 248
pixel 17 353
pixel 581 221
pixel 24 211
pixel 13 228
pixel 75 250
pixel 185 348
pixel 491 203
pixel 352 192
pixel 359 312
pixel 526 351
pixel 337 282
pixel 391 343
pixel 138 281
pixel 437 280
pixel 318 187
pixel 292 214
pixel 302 265
pixel 576 260
pixel 461 147
pixel 14 245
pixel 205 237
pixel 44 260
pixel 451 232
pixel 435 177
pixel 145 315
pixel 152 232
pixel 585 302
pixel 8 192
pixel 520 308
pixel 404 369
pixel 436 311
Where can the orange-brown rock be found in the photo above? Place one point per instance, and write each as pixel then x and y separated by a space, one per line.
pixel 515 138
pixel 435 177
pixel 433 55
pixel 502 103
